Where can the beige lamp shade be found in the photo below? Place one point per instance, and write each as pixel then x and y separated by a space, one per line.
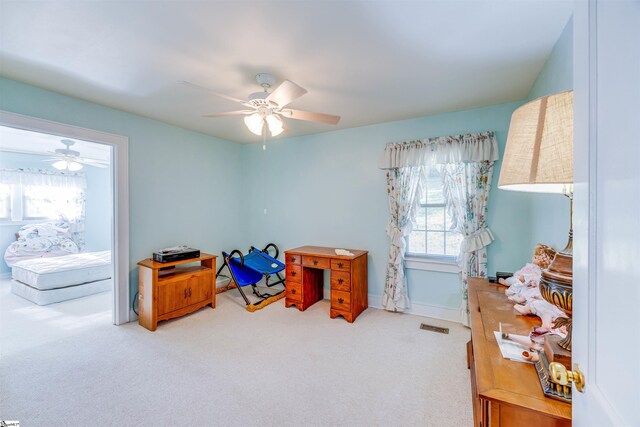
pixel 539 152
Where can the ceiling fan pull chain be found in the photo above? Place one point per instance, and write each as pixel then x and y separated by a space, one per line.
pixel 264 169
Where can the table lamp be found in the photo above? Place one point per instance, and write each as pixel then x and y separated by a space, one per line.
pixel 539 158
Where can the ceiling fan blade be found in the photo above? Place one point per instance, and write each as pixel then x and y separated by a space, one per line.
pixel 230 113
pixel 285 93
pixel 221 95
pixel 310 117
pixel 93 162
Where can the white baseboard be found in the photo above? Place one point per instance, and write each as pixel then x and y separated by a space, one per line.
pixel 132 316
pixel 6 275
pixel 425 310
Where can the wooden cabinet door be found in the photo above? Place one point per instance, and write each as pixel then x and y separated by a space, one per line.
pixel 172 296
pixel 199 288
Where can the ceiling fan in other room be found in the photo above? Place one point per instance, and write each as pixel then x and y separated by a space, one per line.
pixel 268 108
pixel 68 159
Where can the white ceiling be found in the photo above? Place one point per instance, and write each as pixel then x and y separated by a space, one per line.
pixel 367 61
pixel 28 142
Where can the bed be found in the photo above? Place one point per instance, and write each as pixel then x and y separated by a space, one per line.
pixel 49 280
pixel 44 240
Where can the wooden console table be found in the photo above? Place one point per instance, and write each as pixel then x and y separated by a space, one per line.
pixel 504 392
pixel 173 289
pixel 349 282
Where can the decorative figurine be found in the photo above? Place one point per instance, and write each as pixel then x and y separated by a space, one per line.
pixel 524 288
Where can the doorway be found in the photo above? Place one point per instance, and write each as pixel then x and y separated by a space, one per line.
pixel 117 146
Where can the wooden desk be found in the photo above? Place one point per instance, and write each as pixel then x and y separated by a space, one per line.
pixel 504 393
pixel 349 282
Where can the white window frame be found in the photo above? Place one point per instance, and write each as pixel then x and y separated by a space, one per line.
pixel 429 262
pixel 120 195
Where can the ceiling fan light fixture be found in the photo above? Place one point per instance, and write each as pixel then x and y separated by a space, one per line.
pixel 67 165
pixel 74 166
pixel 254 123
pixel 60 164
pixel 276 127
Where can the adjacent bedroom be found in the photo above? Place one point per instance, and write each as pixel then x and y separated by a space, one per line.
pixel 56 274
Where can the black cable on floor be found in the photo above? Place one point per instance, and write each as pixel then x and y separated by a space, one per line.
pixel 133 304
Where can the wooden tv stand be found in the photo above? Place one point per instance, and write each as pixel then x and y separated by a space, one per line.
pixel 504 392
pixel 173 289
pixel 349 282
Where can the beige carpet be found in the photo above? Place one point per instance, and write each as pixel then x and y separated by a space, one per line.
pixel 227 366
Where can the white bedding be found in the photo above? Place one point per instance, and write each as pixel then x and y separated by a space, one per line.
pixel 62 271
pixel 43 241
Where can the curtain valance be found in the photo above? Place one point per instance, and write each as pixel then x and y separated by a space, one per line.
pixel 471 147
pixel 43 178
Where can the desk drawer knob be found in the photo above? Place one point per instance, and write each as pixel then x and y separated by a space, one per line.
pixel 189 292
pixel 185 293
pixel 340 281
pixel 293 259
pixel 315 262
pixel 293 291
pixel 340 265
pixel 293 273
pixel 340 300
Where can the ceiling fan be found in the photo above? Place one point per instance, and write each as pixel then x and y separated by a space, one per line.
pixel 68 159
pixel 268 108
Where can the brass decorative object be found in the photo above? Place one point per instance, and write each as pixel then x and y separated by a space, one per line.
pixel 550 388
pixel 556 286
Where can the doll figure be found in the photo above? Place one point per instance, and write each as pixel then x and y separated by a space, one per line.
pixel 529 275
pixel 546 311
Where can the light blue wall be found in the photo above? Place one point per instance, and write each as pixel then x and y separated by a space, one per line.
pixel 550 212
pixel 326 189
pixel 176 176
pixel 97 207
pixel 323 189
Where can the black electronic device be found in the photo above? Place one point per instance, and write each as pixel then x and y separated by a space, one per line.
pixel 502 275
pixel 176 253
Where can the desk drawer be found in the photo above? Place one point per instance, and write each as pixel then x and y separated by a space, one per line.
pixel 292 259
pixel 316 262
pixel 340 280
pixel 340 264
pixel 294 291
pixel 294 273
pixel 340 300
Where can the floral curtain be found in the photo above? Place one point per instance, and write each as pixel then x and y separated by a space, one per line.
pixel 403 185
pixel 466 191
pixel 55 195
pixel 466 163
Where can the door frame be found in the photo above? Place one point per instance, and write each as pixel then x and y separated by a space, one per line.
pixel 119 195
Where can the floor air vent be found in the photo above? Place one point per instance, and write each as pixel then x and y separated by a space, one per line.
pixel 434 328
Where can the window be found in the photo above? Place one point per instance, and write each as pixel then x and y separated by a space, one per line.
pixel 432 235
pixel 39 202
pixel 38 196
pixel 5 202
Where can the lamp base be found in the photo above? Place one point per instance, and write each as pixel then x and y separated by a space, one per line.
pixel 555 353
pixel 567 322
pixel 556 286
